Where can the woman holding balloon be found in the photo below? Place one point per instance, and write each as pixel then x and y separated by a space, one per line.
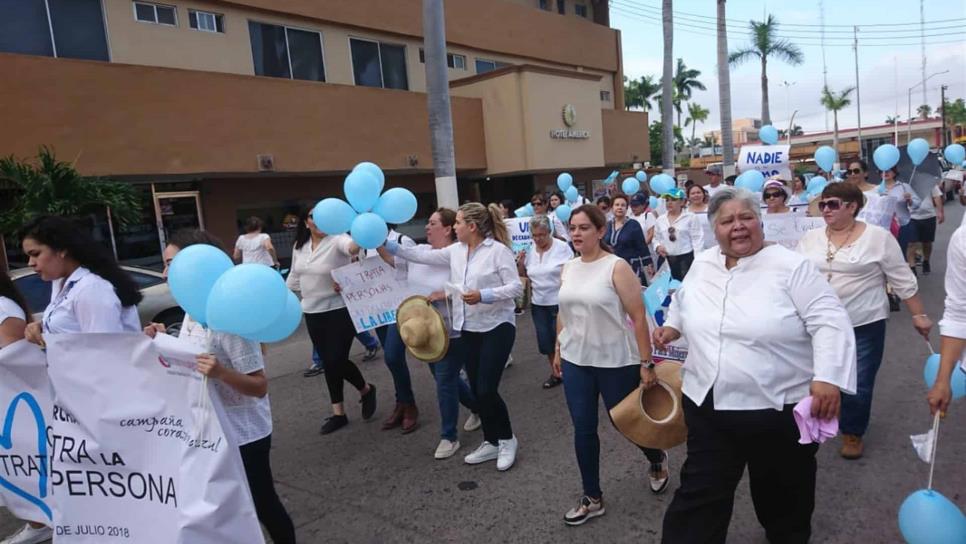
pixel 906 201
pixel 952 328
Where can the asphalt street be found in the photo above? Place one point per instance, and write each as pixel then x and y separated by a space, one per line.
pixel 364 485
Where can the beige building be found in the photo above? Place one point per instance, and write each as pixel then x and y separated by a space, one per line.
pixel 743 131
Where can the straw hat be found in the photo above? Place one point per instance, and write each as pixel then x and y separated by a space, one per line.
pixel 422 329
pixel 654 418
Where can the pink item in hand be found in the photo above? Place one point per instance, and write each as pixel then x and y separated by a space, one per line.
pixel 811 428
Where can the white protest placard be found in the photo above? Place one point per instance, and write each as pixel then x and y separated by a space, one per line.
pixel 788 228
pixel 25 409
pixel 371 292
pixel 770 160
pixel 519 229
pixel 878 210
pixel 135 455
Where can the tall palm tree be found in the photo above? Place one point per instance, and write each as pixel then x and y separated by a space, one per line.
pixel 891 119
pixel 696 114
pixel 724 88
pixel 834 102
pixel 639 92
pixel 765 43
pixel 667 86
pixel 685 82
pixel 924 111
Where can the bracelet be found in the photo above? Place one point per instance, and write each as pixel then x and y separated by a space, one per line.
pixel 647 363
pixel 920 315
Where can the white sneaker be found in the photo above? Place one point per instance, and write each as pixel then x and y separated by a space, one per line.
pixel 472 423
pixel 509 361
pixel 447 448
pixel 29 535
pixel 486 452
pixel 659 475
pixel 507 454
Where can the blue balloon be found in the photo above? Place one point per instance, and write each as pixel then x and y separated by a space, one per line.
pixel 563 212
pixel 572 194
pixel 662 183
pixel 192 274
pixel 373 169
pixel 885 157
pixel 522 212
pixel 369 230
pixel 927 517
pixel 825 158
pixel 955 153
pixel 630 186
pixel 653 202
pixel 641 176
pixel 958 382
pixel 333 216
pixel 283 326
pixel 362 189
pixel 245 299
pixel 565 181
pixel 918 150
pixel 768 134
pixel 396 206
pixel 815 187
pixel 752 180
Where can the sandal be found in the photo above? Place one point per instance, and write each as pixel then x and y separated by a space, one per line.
pixel 552 382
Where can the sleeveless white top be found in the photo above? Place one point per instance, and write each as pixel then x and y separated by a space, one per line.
pixel 596 330
pixel 253 250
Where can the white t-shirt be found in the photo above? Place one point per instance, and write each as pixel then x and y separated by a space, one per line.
pixel 9 308
pixel 249 418
pixel 712 190
pixel 927 209
pixel 253 249
pixel 544 269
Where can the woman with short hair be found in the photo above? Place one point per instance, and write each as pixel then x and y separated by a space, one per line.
pixel 255 246
pixel 857 175
pixel 697 199
pixel 626 238
pixel 764 331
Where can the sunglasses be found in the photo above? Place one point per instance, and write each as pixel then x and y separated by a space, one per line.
pixel 855 171
pixel 831 205
pixel 672 234
pixel 773 194
pixel 538 202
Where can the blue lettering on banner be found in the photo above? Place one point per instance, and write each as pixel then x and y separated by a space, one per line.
pixel 6 441
pixel 765 158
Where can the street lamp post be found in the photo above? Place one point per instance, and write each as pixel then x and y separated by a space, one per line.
pixel 909 122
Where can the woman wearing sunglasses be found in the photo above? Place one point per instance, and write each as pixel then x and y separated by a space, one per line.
pixel 679 234
pixel 775 197
pixel 857 176
pixel 858 259
pixel 540 205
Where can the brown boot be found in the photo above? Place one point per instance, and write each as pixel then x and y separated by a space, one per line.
pixel 851 446
pixel 395 418
pixel 410 418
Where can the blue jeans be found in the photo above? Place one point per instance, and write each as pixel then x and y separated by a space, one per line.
pixel 486 355
pixel 907 235
pixel 365 337
pixel 856 409
pixel 583 385
pixel 451 389
pixel 394 353
pixel 545 322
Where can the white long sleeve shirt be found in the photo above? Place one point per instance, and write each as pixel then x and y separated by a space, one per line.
pixel 688 233
pixel 954 317
pixel 86 302
pixel 860 271
pixel 311 272
pixel 491 269
pixel 760 333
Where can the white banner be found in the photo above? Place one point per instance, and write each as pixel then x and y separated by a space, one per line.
pixel 878 210
pixel 770 160
pixel 135 457
pixel 788 228
pixel 25 401
pixel 371 292
pixel 519 229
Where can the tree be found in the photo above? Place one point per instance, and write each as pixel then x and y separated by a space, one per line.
pixel 667 86
pixel 685 82
pixel 696 114
pixel 656 138
pixel 724 88
pixel 52 187
pixel 639 92
pixel 955 112
pixel 796 131
pixel 834 102
pixel 765 43
pixel 891 120
pixel 924 111
pixel 438 104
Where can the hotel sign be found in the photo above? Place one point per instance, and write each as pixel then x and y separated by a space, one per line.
pixel 569 115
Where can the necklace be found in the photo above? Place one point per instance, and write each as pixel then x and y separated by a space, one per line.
pixel 831 251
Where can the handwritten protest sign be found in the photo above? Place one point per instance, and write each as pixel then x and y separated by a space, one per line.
pixel 519 229
pixel 371 292
pixel 770 160
pixel 878 210
pixel 788 228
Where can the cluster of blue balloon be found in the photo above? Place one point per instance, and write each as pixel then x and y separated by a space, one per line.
pixel 565 182
pixel 661 184
pixel 368 211
pixel 250 300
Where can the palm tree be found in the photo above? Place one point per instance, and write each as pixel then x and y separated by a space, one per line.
pixel 724 88
pixel 834 102
pixel 667 86
pixel 685 82
pixel 696 114
pixel 639 92
pixel 924 111
pixel 891 119
pixel 765 43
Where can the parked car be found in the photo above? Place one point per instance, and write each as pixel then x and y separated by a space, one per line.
pixel 158 306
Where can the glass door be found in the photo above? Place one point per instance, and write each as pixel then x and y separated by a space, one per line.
pixel 176 211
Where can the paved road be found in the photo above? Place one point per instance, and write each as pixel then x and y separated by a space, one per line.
pixel 364 485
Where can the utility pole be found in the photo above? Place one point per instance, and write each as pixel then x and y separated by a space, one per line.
pixel 821 15
pixel 858 94
pixel 922 42
pixel 942 105
pixel 438 104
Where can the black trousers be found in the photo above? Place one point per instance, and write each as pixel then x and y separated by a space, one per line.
pixel 332 333
pixel 269 508
pixel 680 264
pixel 486 355
pixel 720 444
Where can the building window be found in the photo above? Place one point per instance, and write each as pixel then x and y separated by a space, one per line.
pixel 281 51
pixel 562 7
pixel 377 64
pixel 206 21
pixel 545 5
pixel 56 28
pixel 580 10
pixel 605 96
pixel 485 65
pixel 457 62
pixel 155 13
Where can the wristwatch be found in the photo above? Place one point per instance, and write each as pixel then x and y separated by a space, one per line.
pixel 648 364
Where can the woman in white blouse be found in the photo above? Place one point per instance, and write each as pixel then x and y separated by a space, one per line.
pixel 255 246
pixel 859 259
pixel 764 331
pixel 483 269
pixel 89 291
pixel 542 264
pixel 953 324
pixel 678 234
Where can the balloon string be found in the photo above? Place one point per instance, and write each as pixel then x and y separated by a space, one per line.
pixel 932 453
pixel 931 351
pixel 203 402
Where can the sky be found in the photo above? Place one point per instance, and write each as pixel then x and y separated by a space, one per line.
pixel 886 70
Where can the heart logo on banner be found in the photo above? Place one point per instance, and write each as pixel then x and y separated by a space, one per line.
pixel 6 442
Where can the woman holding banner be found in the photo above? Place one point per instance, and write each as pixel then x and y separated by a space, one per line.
pixel 237 370
pixel 679 234
pixel 858 259
pixel 326 317
pixel 483 269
